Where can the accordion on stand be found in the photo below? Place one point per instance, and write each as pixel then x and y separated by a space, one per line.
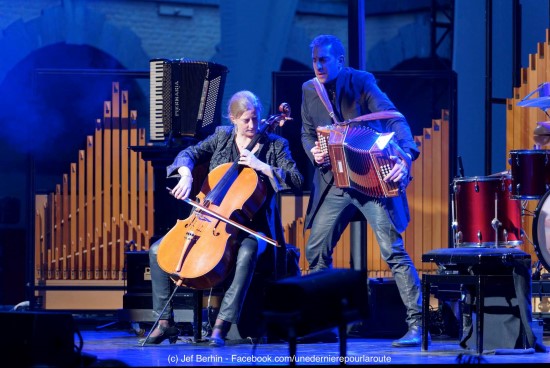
pixel 185 98
pixel 359 158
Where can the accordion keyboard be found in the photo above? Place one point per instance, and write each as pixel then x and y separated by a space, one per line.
pixel 323 146
pixel 156 127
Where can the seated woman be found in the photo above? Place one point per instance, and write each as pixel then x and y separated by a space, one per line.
pixel 273 162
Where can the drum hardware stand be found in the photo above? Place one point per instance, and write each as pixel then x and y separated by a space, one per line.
pixel 458 238
pixel 496 223
pixel 454 223
pixel 524 210
pixel 528 239
pixel 538 268
pixel 460 166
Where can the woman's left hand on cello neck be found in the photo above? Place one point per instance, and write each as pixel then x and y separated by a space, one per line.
pixel 247 158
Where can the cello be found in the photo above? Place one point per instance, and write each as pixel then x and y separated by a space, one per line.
pixel 199 251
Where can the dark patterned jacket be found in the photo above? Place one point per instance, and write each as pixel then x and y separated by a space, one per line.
pixel 219 148
pixel 356 94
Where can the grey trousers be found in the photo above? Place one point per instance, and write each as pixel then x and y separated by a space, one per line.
pixel 238 282
pixel 330 222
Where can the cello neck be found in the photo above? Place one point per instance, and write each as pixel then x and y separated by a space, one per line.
pixel 218 192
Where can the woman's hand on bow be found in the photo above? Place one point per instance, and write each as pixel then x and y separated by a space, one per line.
pixel 182 190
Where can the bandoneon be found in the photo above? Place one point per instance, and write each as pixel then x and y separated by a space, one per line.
pixel 185 98
pixel 358 157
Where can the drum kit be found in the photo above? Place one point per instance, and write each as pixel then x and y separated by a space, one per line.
pixel 487 210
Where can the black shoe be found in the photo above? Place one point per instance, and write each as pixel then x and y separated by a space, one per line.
pixel 216 342
pixel 412 338
pixel 540 348
pixel 166 333
pixel 223 327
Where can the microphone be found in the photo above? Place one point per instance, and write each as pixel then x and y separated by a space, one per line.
pixel 460 167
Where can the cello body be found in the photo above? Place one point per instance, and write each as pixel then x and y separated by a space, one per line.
pixel 200 250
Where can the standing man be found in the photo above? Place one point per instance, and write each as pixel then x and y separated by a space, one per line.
pixel 353 93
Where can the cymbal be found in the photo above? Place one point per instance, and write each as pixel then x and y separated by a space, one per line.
pixel 501 173
pixel 542 102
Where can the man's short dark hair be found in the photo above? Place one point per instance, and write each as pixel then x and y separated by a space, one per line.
pixel 337 48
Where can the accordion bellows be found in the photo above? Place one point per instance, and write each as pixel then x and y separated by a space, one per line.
pixel 359 158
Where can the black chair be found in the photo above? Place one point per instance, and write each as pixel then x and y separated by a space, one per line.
pixel 304 305
pixel 483 273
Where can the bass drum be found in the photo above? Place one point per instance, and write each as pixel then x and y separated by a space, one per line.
pixel 541 231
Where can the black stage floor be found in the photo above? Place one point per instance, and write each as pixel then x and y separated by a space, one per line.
pixel 117 346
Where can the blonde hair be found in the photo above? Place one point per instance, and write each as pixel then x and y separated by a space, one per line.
pixel 243 101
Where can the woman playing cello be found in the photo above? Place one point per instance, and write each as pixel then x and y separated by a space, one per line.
pixel 272 161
